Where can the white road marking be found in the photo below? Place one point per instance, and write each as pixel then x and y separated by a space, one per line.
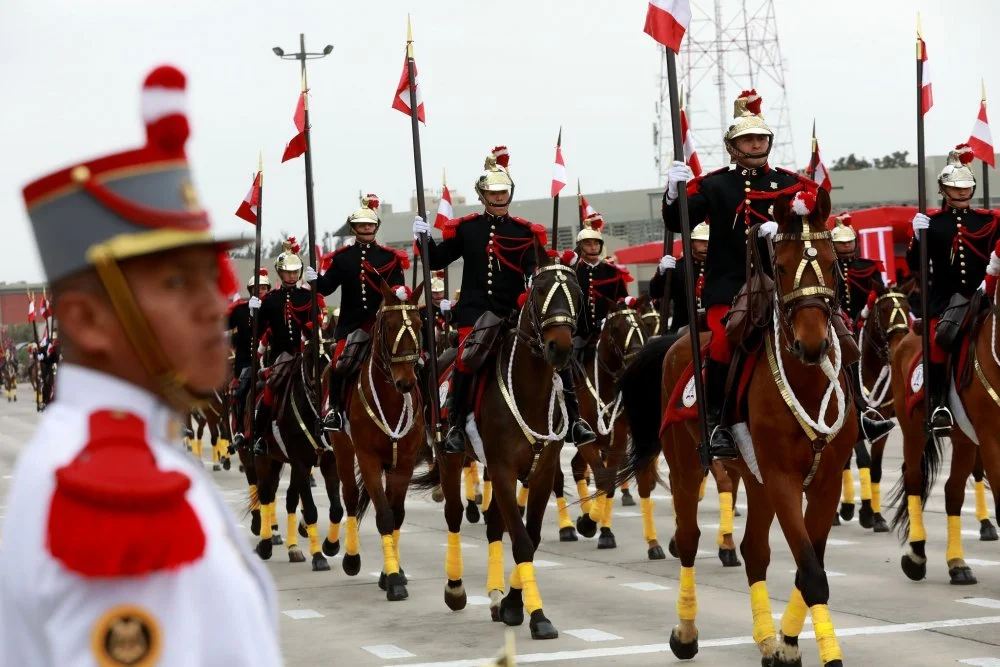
pixel 299 614
pixel 388 652
pixel 592 635
pixel 981 563
pixel 660 496
pixel 777 617
pixel 477 600
pixel 981 662
pixel 546 563
pixel 465 545
pixel 970 533
pixel 647 586
pixel 625 514
pixel 989 603
pixel 645 649
pixel 829 573
pixel 839 543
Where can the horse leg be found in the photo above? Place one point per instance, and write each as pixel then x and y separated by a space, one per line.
pixel 864 459
pixel 450 468
pixel 223 440
pixel 250 471
pixel 987 533
pixel 487 490
pixel 345 468
pixel 734 478
pixel 724 538
pixel 543 477
pixel 469 479
pixel 477 483
pixel 879 524
pixel 963 460
pixel 268 473
pixel 495 567
pixel 295 554
pixel 756 550
pixel 390 580
pixel 566 531
pixel 584 525
pixel 328 468
pixel 914 487
pixel 646 481
pixel 685 480
pixel 847 489
pixel 522 498
pixel 213 435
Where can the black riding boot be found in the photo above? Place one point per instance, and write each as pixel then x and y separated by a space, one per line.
pixel 721 445
pixel 454 442
pixel 941 420
pixel 579 432
pixel 333 420
pixel 261 426
pixel 872 430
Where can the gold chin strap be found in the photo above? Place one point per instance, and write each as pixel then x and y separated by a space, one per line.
pixel 808 261
pixel 897 318
pixel 173 388
pixel 407 328
pixel 559 284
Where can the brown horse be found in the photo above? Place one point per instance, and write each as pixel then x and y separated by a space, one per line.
pixel 976 406
pixel 800 430
pixel 8 377
pixel 516 439
pixel 215 417
pixel 385 431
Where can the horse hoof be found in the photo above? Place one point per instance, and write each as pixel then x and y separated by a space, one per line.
pixel 295 555
pixel 479 499
pixel 656 553
pixel 567 534
pixel 681 650
pixel 402 576
pixel 627 499
pixel 987 533
pixel 541 627
pixel 331 549
pixel 836 519
pixel 586 526
pixel 226 463
pixel 319 562
pixel 728 557
pixel 352 564
pixel 312 482
pixel 255 522
pixel 672 547
pixel 472 512
pixel 866 518
pixel 454 595
pixel 777 660
pixel 881 526
pixel 495 614
pixel 396 589
pixel 276 537
pixel 520 510
pixel 512 608
pixel 437 495
pixel 962 576
pixel 383 581
pixel 606 540
pixel 216 467
pixel 302 530
pixel 264 549
pixel 846 511
pixel 912 569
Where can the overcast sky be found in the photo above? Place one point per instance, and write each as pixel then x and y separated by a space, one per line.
pixel 491 73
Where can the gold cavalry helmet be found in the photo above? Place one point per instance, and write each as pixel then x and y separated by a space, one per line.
pixel 437 281
pixel 592 226
pixel 263 279
pixel 700 232
pixel 368 213
pixel 842 231
pixel 289 260
pixel 495 176
pixel 748 120
pixel 957 173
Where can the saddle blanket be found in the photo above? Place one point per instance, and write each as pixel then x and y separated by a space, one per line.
pixel 683 404
pixel 915 395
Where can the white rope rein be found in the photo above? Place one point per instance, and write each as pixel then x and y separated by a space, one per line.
pixel 555 397
pixel 604 423
pixel 883 383
pixel 405 422
pixel 832 372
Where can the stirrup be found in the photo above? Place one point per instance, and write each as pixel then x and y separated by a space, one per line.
pixel 333 421
pixel 941 429
pixel 260 447
pixel 451 440
pixel 874 429
pixel 581 434
pixel 721 446
pixel 238 441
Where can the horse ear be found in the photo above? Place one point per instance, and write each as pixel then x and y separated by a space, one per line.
pixel 418 292
pixel 642 302
pixel 821 212
pixel 541 257
pixel 387 294
pixel 782 210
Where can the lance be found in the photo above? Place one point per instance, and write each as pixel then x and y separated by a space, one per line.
pixel 255 317
pixel 555 202
pixel 444 183
pixel 986 166
pixel 432 394
pixel 813 162
pixel 579 205
pixel 689 277
pixel 925 336
pixel 34 360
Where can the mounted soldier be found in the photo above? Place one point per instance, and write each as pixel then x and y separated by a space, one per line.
pixel 241 338
pixel 960 240
pixel 499 259
pixel 678 290
pixel 358 270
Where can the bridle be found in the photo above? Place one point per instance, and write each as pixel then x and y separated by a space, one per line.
pixel 898 322
pixel 390 356
pixel 819 296
pixel 540 318
pixel 635 330
pixel 652 314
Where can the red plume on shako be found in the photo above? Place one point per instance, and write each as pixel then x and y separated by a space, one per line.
pixel 163 109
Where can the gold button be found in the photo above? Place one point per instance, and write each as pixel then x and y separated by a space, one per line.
pixel 746 232
pixel 489 282
pixel 490 292
pixel 963 272
pixel 748 201
pixel 746 183
pixel 491 234
pixel 746 189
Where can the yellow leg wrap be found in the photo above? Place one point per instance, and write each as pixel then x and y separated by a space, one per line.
pixel 866 483
pixel 494 569
pixel 215 452
pixel 687 600
pixel 293 533
pixel 725 516
pixel 223 448
pixel 474 467
pixel 829 647
pixel 847 487
pixel 701 489
pixel 265 522
pixel 564 520
pixel 395 544
pixel 917 532
pixel 954 539
pixel 255 499
pixel 609 504
pixel 487 494
pixel 522 496
pixel 760 606
pixel 982 511
pixel 453 558
pixel 351 547
pixel 597 508
pixel 795 615
pixel 313 532
pixel 333 532
pixel 648 524
pixel 583 491
pixel 876 497
pixel 515 577
pixel 391 565
pixel 532 598
pixel 470 488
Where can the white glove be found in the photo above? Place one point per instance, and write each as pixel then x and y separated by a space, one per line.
pixel 677 172
pixel 445 305
pixel 993 268
pixel 920 221
pixel 768 229
pixel 667 262
pixel 982 286
pixel 420 226
pixel 254 303
pixel 311 274
pixel 41 356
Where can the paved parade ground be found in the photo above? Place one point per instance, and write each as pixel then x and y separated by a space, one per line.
pixel 613 606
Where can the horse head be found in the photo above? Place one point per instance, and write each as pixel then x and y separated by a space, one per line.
pixel 889 311
pixel 624 329
pixel 396 340
pixel 553 304
pixel 650 317
pixel 805 266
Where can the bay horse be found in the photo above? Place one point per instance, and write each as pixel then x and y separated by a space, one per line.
pixel 516 439
pixel 799 375
pixel 8 374
pixel 215 417
pixel 385 430
pixel 976 407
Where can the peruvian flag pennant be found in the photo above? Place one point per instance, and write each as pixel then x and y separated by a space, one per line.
pixel 690 154
pixel 667 21
pixel 401 102
pixel 31 308
pixel 926 93
pixel 248 207
pixel 297 146
pixel 981 140
pixel 445 211
pixel 558 168
pixel 46 308
pixel 817 170
pixel 587 209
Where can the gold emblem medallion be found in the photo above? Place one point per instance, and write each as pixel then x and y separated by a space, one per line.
pixel 126 636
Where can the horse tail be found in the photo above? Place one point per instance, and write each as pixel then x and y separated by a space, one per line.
pixel 364 500
pixel 641 386
pixel 428 479
pixel 253 501
pixel 930 465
